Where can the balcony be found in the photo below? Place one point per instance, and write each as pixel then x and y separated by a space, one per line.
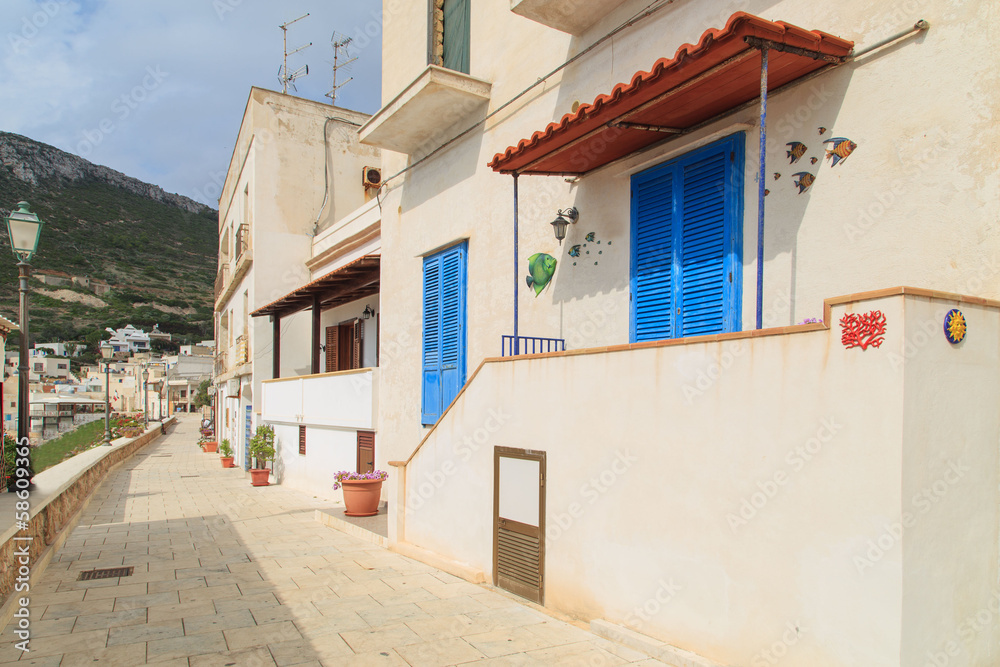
pixel 345 400
pixel 221 280
pixel 242 241
pixel 570 16
pixel 242 349
pixel 512 346
pixel 427 112
pixel 225 284
pixel 221 363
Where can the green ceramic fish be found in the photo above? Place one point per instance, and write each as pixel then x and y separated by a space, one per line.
pixel 540 270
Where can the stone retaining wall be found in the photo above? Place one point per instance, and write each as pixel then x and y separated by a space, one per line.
pixel 51 515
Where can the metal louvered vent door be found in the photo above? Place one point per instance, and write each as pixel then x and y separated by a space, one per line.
pixel 519 522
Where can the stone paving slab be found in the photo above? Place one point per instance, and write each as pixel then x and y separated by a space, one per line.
pixel 227 574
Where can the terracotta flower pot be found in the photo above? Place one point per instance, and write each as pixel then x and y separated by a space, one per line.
pixel 361 496
pixel 227 461
pixel 258 477
pixel 211 447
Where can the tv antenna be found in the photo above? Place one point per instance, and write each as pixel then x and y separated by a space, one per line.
pixel 340 44
pixel 284 76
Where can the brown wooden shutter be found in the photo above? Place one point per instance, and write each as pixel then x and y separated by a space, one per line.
pixel 366 451
pixel 332 344
pixel 302 440
pixel 359 333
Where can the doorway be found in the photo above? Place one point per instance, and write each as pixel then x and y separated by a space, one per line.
pixel 519 522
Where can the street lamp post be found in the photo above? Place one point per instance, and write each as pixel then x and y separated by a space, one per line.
pixel 145 398
pixel 107 353
pixel 24 229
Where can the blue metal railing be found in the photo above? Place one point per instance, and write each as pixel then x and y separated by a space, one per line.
pixel 511 346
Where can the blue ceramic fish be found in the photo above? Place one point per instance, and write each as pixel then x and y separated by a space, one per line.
pixel 574 251
pixel 590 237
pixel 540 269
pixel 805 180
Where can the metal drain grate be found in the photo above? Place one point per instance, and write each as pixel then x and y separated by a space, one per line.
pixel 161 456
pixel 106 573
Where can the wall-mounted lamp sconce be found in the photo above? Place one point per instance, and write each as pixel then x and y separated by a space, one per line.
pixel 564 218
pixel 369 313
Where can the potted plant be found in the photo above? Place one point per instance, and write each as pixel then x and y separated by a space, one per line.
pixel 261 451
pixel 362 491
pixel 210 446
pixel 226 450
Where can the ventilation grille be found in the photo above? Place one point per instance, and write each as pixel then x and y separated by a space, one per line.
pixel 518 558
pixel 302 440
pixel 106 573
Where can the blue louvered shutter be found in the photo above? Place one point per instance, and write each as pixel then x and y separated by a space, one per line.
pixel 653 258
pixel 431 391
pixel 702 246
pixel 444 331
pixel 686 267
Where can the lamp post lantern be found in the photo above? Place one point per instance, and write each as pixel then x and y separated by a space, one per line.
pixel 24 229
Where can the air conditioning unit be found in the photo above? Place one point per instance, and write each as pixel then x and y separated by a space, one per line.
pixel 371 177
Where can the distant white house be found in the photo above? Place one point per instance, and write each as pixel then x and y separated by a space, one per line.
pixel 59 349
pixel 128 339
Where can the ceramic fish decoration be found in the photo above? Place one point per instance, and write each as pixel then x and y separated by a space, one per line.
pixel 777 175
pixel 805 180
pixel 766 192
pixel 589 237
pixel 540 270
pixel 797 150
pixel 842 147
pixel 574 251
pixel 813 160
pixel 822 130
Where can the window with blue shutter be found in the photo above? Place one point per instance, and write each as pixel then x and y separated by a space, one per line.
pixel 686 265
pixel 443 331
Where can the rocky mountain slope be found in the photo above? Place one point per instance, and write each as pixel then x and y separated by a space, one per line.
pixel 155 249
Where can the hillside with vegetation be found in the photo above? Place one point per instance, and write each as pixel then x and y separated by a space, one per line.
pixel 156 250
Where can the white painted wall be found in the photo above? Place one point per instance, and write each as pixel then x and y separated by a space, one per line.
pixel 915 204
pixel 333 407
pixel 746 491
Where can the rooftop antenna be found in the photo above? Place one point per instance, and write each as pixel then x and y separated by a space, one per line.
pixel 284 76
pixel 340 44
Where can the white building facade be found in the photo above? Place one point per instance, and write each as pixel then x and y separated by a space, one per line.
pixel 724 422
pixel 297 166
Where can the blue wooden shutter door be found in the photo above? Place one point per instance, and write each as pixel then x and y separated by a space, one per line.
pixel 444 331
pixel 431 401
pixel 702 247
pixel 653 244
pixel 686 270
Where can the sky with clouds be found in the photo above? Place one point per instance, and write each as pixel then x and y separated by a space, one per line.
pixel 156 88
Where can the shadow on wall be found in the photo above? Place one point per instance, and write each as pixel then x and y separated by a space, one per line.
pixel 456 163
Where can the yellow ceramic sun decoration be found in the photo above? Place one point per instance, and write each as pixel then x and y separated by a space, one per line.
pixel 954 326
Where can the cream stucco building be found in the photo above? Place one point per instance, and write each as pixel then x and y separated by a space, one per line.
pixel 731 456
pixel 297 168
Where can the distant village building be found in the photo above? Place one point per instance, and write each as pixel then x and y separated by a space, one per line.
pixel 128 339
pixel 54 278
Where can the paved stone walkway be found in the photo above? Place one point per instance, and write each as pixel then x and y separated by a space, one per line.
pixel 228 574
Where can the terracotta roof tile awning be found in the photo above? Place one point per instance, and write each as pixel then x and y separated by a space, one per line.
pixel 701 81
pixel 350 282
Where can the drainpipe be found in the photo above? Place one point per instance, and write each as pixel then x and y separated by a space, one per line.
pixel 760 186
pixel 516 342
